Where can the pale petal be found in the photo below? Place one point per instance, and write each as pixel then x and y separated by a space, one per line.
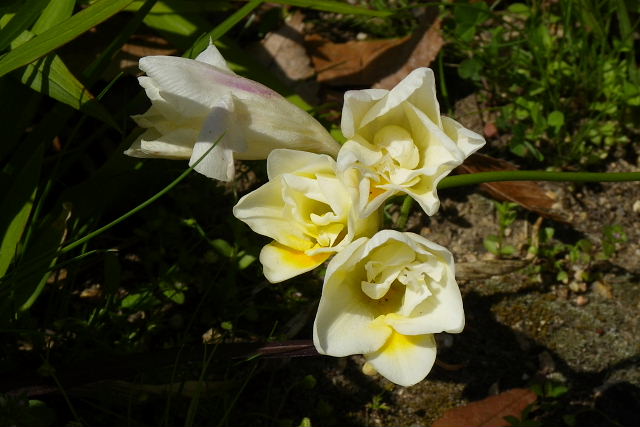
pixel 355 107
pixel 173 145
pixel 281 262
pixel 218 128
pixel 212 56
pixel 344 322
pixel 418 88
pixel 468 141
pixel 404 359
pixel 282 161
pixel 264 210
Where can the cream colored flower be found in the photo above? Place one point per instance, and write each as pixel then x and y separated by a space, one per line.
pixel 194 102
pixel 306 210
pixel 385 297
pixel 399 143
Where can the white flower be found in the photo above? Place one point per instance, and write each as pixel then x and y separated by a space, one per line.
pixel 385 297
pixel 399 143
pixel 194 102
pixel 306 210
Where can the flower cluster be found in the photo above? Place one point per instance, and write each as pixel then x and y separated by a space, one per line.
pixel 385 293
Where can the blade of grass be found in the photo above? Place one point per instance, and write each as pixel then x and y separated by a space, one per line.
pixel 50 76
pixel 141 206
pixel 60 34
pixel 335 6
pixel 24 17
pixel 220 30
pixel 93 71
pixel 17 205
pixel 55 12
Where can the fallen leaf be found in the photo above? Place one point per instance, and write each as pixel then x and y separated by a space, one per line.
pixel 528 194
pixel 382 63
pixel 489 412
pixel 354 63
pixel 425 51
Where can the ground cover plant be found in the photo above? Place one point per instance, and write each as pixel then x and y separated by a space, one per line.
pixel 133 293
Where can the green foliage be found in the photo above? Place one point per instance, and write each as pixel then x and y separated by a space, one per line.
pixel 562 74
pixel 507 213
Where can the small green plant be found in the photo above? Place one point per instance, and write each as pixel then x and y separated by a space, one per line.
pixel 562 75
pixel 507 214
pixel 377 404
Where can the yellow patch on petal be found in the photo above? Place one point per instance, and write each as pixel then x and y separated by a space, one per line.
pixel 299 259
pixel 375 190
pixel 398 343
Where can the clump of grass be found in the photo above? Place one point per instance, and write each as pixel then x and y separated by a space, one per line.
pixel 562 74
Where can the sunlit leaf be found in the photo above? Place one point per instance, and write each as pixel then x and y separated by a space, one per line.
pixel 60 34
pixel 17 205
pixel 23 18
pixel 55 12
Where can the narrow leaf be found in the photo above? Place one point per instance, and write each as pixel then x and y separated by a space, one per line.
pixel 34 268
pixel 24 17
pixel 51 77
pixel 17 205
pixel 221 29
pixel 55 12
pixel 62 33
pixel 335 6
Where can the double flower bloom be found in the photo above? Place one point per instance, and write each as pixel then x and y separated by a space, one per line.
pixel 385 293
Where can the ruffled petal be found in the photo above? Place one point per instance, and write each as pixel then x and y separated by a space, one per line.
pixel 282 262
pixel 404 359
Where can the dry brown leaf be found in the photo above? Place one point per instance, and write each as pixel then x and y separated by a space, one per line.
pixel 380 62
pixel 424 53
pixel 489 412
pixel 353 63
pixel 528 194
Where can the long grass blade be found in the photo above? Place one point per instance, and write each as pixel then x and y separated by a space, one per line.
pixel 60 34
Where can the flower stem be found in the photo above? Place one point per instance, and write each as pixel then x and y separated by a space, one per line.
pixel 481 177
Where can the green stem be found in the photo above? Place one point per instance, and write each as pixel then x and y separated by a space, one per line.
pixel 482 177
pixel 140 206
pixel 405 210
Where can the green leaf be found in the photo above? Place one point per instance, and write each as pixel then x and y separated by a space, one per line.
pixel 176 27
pixel 51 77
pixel 221 29
pixel 491 244
pixel 55 12
pixel 17 205
pixel 182 6
pixel 62 33
pixel 519 8
pixel 470 69
pixel 335 6
pixel 555 119
pixel 34 268
pixel 24 17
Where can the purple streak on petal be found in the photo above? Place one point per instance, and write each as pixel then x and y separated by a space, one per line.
pixel 244 84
